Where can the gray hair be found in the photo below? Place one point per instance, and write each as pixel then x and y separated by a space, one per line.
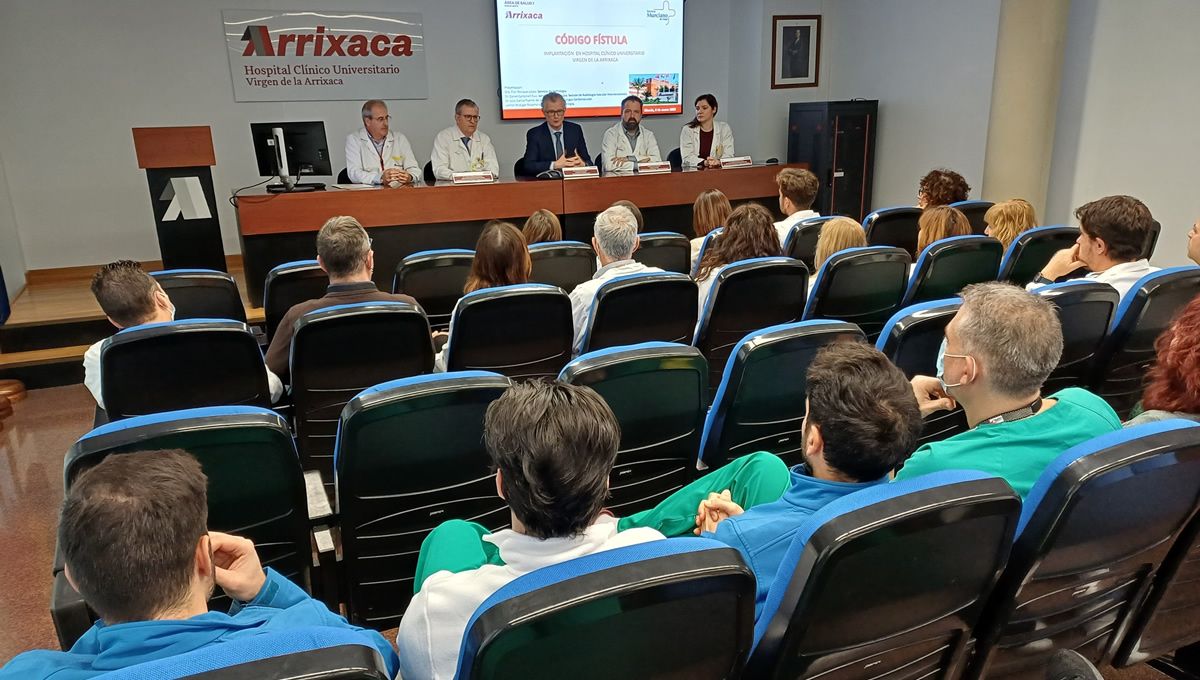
pixel 370 104
pixel 616 232
pixel 552 97
pixel 1016 334
pixel 463 103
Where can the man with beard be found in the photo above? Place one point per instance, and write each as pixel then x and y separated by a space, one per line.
pixel 628 143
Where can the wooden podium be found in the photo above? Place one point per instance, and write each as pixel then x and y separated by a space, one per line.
pixel 178 162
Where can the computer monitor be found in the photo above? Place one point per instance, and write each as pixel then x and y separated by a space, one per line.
pixel 305 151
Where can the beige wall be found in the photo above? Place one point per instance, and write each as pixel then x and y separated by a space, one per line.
pixel 1020 140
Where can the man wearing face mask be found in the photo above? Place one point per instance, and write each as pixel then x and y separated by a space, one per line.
pixel 1000 347
pixel 627 143
pixel 134 535
pixel 130 297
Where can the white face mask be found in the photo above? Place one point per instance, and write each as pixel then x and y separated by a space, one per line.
pixel 941 365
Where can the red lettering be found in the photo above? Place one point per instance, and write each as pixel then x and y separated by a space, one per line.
pixel 402 46
pixel 358 46
pixel 302 40
pixel 284 39
pixel 379 45
pixel 335 46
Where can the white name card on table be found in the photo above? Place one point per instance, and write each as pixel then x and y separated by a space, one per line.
pixel 737 162
pixel 585 172
pixel 653 168
pixel 472 178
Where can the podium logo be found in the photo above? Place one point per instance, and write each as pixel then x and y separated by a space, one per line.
pixel 187 198
pixel 665 12
pixel 321 44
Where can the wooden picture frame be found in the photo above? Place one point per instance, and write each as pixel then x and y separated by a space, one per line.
pixel 795 50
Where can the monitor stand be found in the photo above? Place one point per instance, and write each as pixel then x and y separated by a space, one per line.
pixel 299 188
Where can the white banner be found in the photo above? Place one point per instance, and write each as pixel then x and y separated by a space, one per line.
pixel 277 55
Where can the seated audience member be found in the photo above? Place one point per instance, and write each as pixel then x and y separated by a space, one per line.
pixel 375 155
pixel 704 141
pixel 1173 382
pixel 130 297
pixel 797 191
pixel 501 259
pixel 709 212
pixel 1193 245
pixel 1000 347
pixel 344 252
pixel 542 227
pixel 637 213
pixel 1009 219
pixel 837 234
pixel 615 241
pixel 553 446
pixel 462 147
pixel 556 143
pixel 748 234
pixel 941 187
pixel 628 142
pixel 133 532
pixel 862 421
pixel 1112 235
pixel 938 223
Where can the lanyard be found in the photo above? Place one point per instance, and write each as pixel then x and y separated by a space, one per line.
pixel 1016 414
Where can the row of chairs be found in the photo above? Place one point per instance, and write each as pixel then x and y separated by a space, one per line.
pixel 947 575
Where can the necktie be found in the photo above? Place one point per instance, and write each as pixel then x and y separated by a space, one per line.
pixel 467 143
pixel 558 150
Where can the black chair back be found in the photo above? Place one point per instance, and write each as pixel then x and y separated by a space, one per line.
pixel 759 404
pixel 565 620
pixel 658 392
pixel 951 264
pixel 409 456
pixel 1031 250
pixel 181 364
pixel 896 227
pixel 667 250
pixel 340 351
pixel 1085 310
pixel 974 211
pixel 1151 239
pixel 343 176
pixel 675 158
pixel 744 297
pixel 290 284
pixel 427 174
pixel 863 286
pixel 565 264
pixel 434 278
pixel 930 549
pixel 202 294
pixel 521 331
pixel 641 308
pixel 1128 350
pixel 1094 529
pixel 801 242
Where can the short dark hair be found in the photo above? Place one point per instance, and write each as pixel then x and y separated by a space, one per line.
pixel 943 187
pixel 798 186
pixel 865 408
pixel 125 292
pixel 1122 222
pixel 129 529
pixel 342 244
pixel 554 445
pixel 631 98
pixel 464 102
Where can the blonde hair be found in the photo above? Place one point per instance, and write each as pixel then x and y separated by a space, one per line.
pixel 837 234
pixel 710 211
pixel 939 223
pixel 542 226
pixel 1006 221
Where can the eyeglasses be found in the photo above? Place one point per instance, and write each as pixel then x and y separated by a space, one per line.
pixel 382 119
pixel 473 119
pixel 554 112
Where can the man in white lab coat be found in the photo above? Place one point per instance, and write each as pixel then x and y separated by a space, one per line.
pixel 375 155
pixel 628 143
pixel 462 147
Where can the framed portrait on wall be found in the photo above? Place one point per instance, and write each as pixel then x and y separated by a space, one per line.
pixel 795 50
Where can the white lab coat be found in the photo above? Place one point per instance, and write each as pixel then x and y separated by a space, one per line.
pixel 363 162
pixel 616 145
pixel 689 143
pixel 450 156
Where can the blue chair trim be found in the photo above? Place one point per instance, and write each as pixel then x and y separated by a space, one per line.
pixel 918 269
pixel 221 324
pixel 294 264
pixel 1023 237
pixel 549 245
pixel 717 274
pixel 909 311
pixel 587 329
pixel 816 284
pixel 172 272
pixel 607 351
pixel 137 422
pixel 437 252
pixel 1128 299
pixel 703 248
pixel 381 305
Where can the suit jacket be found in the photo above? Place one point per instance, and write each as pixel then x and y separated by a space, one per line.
pixel 279 354
pixel 539 147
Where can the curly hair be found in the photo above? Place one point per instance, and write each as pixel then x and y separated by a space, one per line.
pixel 942 187
pixel 749 232
pixel 938 223
pixel 1173 382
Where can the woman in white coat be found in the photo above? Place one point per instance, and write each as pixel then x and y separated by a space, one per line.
pixel 705 141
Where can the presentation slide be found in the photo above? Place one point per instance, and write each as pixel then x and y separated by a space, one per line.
pixel 594 52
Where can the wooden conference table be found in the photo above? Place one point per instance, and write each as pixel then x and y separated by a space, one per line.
pixel 278 228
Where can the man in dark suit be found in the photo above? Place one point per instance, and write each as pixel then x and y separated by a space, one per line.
pixel 555 144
